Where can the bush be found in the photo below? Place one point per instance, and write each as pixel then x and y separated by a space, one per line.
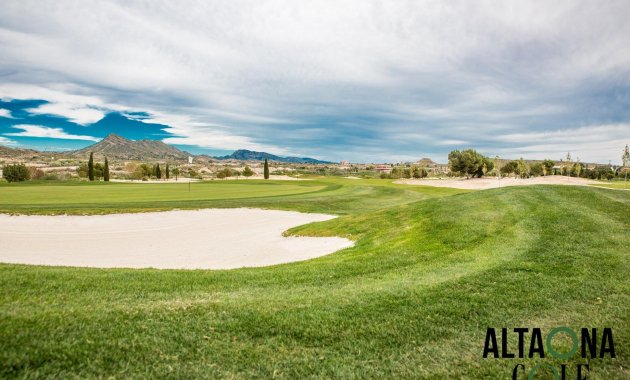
pixel 248 172
pixel 419 172
pixel 224 173
pixel 51 177
pixel 16 173
pixel 537 169
pixel 36 173
pixel 98 171
pixel 509 168
pixel 82 170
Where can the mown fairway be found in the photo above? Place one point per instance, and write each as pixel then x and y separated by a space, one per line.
pixel 85 197
pixel 616 185
pixel 431 270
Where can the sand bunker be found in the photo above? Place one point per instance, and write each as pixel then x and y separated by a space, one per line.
pixel 203 239
pixel 491 183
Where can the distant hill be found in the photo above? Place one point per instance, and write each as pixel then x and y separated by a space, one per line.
pixel 427 162
pixel 248 155
pixel 117 147
pixel 6 151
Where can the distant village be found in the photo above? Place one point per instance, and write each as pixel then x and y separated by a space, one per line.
pixel 138 160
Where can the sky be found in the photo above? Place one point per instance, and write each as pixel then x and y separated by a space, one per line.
pixel 356 80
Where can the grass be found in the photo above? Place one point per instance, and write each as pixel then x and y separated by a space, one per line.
pixel 77 197
pixel 615 185
pixel 431 270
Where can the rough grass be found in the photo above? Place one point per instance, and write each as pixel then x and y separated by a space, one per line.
pixel 431 270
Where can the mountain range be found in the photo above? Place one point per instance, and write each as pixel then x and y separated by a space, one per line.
pixel 249 155
pixel 119 148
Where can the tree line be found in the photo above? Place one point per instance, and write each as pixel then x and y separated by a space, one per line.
pixel 470 163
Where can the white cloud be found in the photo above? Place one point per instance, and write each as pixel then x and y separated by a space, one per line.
pixel 584 134
pixel 41 131
pixel 5 113
pixel 83 109
pixel 256 69
pixel 80 109
pixel 594 143
pixel 6 141
pixel 80 114
pixel 213 137
pixel 452 142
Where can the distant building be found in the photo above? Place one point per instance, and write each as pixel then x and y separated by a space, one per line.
pixel 383 168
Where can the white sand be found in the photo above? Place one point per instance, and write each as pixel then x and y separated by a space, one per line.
pixel 493 182
pixel 203 239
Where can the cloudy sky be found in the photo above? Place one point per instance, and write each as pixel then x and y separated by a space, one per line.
pixel 366 81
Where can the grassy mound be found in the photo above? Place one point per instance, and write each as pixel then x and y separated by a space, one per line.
pixel 431 270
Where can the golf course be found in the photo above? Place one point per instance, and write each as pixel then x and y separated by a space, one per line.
pixel 430 270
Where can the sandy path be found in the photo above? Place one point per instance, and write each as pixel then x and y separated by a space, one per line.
pixel 203 239
pixel 491 183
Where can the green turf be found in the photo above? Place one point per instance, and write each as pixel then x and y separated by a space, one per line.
pixel 431 270
pixel 615 185
pixel 88 195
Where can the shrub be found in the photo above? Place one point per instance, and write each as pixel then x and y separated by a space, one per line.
pixel 509 168
pixel 36 173
pixel 98 170
pixel 82 170
pixel 16 173
pixel 248 172
pixel 51 177
pixel 224 173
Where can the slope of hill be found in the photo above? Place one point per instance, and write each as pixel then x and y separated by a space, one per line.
pixel 117 147
pixel 248 155
pixel 20 153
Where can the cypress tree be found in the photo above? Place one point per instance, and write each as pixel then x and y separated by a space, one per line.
pixel 158 172
pixel 168 174
pixel 106 171
pixel 266 172
pixel 91 167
